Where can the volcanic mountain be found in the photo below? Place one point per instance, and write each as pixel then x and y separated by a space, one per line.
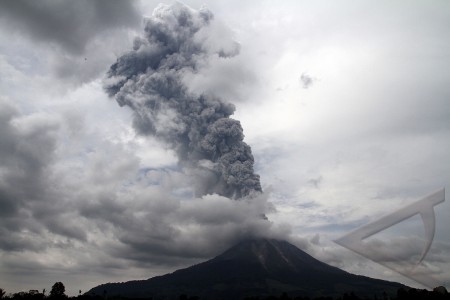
pixel 259 267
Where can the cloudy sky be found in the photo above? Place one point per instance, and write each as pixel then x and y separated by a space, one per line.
pixel 345 105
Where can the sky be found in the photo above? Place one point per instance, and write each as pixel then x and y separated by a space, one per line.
pixel 345 105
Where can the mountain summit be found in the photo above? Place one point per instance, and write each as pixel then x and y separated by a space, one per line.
pixel 258 267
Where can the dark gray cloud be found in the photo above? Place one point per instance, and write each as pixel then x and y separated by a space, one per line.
pixel 32 201
pixel 26 149
pixel 155 228
pixel 68 24
pixel 95 204
pixel 306 80
pixel 149 80
pixel 76 41
pixel 315 182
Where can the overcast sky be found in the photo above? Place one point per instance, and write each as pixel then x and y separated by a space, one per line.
pixel 345 104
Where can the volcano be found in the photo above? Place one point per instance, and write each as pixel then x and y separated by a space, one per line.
pixel 253 268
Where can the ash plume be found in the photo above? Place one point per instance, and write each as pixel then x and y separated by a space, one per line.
pixel 149 80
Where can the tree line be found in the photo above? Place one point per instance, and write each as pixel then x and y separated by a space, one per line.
pixel 58 292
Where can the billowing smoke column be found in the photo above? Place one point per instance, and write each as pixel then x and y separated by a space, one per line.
pixel 149 80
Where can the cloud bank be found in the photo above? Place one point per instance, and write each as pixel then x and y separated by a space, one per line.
pixel 77 41
pixel 69 25
pixel 70 190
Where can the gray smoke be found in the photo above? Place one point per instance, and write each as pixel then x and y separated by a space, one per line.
pixel 149 80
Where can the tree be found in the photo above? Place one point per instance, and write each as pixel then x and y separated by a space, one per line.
pixel 58 290
pixel 2 293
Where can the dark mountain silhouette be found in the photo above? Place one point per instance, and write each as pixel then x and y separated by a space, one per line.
pixel 259 267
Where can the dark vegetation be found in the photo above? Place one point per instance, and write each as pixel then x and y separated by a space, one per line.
pixel 58 293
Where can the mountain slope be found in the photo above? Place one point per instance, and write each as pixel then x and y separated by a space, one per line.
pixel 259 267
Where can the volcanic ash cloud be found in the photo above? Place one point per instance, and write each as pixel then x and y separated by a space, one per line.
pixel 149 80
